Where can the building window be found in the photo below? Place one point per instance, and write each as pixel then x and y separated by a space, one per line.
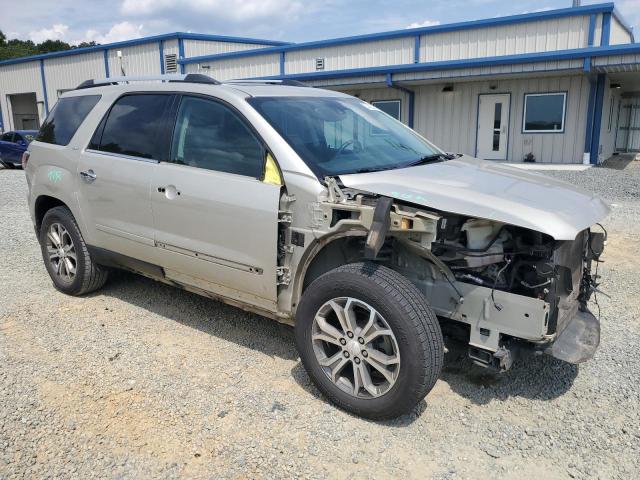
pixel 544 112
pixel 390 107
pixel 319 63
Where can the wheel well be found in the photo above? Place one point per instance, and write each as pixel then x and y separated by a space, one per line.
pixel 44 203
pixel 336 253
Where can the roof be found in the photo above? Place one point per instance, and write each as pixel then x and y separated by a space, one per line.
pixel 272 46
pixel 142 41
pixel 412 32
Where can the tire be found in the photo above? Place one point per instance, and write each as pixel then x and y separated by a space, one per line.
pixel 88 276
pixel 397 305
pixel 8 165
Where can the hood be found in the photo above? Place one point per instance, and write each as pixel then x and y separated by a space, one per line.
pixel 494 191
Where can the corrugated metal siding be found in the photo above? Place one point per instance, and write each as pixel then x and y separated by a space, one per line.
pixel 196 48
pixel 259 66
pixel 359 55
pixel 492 70
pixel 540 36
pixel 615 60
pixel 618 33
pixel 65 73
pixel 20 78
pixel 449 118
pixel 597 37
pixel 136 60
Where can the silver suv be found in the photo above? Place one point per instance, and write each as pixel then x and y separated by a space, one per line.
pixel 316 209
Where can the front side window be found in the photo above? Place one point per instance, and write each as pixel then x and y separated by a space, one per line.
pixel 65 119
pixel 7 137
pixel 210 135
pixel 544 112
pixel 338 135
pixel 135 127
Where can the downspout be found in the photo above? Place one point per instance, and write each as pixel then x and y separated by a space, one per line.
pixel 410 93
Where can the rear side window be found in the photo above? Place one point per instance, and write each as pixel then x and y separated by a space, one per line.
pixel 135 127
pixel 65 118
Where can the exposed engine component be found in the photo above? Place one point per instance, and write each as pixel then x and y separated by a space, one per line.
pixel 503 257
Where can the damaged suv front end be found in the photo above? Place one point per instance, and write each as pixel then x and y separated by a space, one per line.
pixel 510 278
pixel 503 256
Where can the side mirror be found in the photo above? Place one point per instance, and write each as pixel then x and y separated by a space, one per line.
pixel 22 143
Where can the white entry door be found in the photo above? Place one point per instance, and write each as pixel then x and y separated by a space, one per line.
pixel 493 126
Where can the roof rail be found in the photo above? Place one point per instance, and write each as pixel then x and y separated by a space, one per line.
pixel 188 78
pixel 285 82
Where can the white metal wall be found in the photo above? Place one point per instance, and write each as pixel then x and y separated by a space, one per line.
pixel 359 55
pixel 196 48
pixel 20 78
pixel 538 36
pixel 234 68
pixel 618 33
pixel 65 73
pixel 136 60
pixel 449 119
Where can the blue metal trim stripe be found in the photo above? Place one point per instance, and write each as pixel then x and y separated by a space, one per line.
pixel 161 48
pixel 181 53
pixel 590 107
pixel 597 118
pixel 142 41
pixel 106 62
pixel 513 19
pixel 416 49
pixel 282 63
pixel 1 120
pixel 44 87
pixel 606 29
pixel 579 53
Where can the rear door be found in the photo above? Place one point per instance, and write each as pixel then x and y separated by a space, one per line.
pixel 116 171
pixel 215 219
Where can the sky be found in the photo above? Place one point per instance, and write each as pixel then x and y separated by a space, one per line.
pixel 103 21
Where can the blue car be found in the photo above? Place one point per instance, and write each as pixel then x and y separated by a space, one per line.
pixel 12 146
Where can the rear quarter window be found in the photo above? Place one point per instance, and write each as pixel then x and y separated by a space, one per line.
pixel 65 119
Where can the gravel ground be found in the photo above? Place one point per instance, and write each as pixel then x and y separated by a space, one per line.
pixel 142 380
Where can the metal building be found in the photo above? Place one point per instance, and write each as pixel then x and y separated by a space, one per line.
pixel 559 86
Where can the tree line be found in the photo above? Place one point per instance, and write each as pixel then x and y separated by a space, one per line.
pixel 15 48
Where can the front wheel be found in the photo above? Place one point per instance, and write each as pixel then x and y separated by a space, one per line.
pixel 369 340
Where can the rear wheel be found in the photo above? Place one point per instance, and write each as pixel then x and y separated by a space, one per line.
pixel 66 256
pixel 369 340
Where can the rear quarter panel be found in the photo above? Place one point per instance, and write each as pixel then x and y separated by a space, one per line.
pixel 51 171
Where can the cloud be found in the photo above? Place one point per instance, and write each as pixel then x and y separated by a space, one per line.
pixel 426 23
pixel 56 32
pixel 117 33
pixel 215 10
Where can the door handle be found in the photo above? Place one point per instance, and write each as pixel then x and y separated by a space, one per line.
pixel 88 176
pixel 170 191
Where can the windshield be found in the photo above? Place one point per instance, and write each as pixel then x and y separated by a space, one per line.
pixel 343 135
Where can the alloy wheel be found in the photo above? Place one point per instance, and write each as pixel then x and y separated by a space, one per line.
pixel 61 252
pixel 355 347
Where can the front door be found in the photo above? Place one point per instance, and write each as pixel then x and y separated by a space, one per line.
pixel 216 221
pixel 493 126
